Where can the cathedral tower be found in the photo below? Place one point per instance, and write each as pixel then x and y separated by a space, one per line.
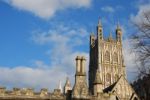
pixel 106 55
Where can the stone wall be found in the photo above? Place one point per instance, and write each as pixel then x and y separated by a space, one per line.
pixel 30 94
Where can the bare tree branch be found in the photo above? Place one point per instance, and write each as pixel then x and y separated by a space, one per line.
pixel 141 41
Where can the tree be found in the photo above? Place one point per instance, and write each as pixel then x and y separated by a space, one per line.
pixel 142 43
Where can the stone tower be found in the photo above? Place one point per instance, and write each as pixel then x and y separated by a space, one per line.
pixel 107 57
pixel 80 89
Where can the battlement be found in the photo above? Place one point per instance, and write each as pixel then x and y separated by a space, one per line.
pixel 29 93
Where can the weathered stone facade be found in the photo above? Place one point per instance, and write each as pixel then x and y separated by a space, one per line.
pixel 107 75
pixel 106 56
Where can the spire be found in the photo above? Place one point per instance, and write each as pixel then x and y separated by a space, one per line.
pixel 110 36
pixel 92 39
pixel 92 34
pixel 99 30
pixel 67 82
pixel 60 87
pixel 67 85
pixel 118 26
pixel 99 22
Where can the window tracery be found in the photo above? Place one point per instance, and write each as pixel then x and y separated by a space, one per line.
pixel 115 57
pixel 107 56
pixel 108 79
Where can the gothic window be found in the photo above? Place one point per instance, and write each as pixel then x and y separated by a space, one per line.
pixel 107 56
pixel 115 57
pixel 108 79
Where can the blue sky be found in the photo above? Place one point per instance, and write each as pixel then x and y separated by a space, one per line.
pixel 41 38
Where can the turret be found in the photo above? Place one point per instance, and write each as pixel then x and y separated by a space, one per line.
pixel 99 30
pixel 98 86
pixel 118 33
pixel 92 40
pixel 67 86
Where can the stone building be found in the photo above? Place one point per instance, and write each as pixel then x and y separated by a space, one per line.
pixel 106 76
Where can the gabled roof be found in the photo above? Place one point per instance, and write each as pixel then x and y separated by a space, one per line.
pixel 108 89
pixel 112 88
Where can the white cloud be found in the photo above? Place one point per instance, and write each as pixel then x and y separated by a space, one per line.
pixel 23 76
pixel 62 34
pixel 137 18
pixel 62 41
pixel 141 10
pixel 130 60
pixel 108 9
pixel 40 75
pixel 47 8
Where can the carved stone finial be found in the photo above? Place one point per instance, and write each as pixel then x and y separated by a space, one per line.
pixel 99 22
pixel 118 26
pixel 110 38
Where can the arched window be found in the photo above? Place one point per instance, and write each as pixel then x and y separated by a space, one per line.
pixel 115 57
pixel 108 79
pixel 107 56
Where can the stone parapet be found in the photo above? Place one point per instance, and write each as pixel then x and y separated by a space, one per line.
pixel 30 94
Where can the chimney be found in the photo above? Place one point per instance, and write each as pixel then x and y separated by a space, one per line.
pixel 83 60
pixel 78 64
